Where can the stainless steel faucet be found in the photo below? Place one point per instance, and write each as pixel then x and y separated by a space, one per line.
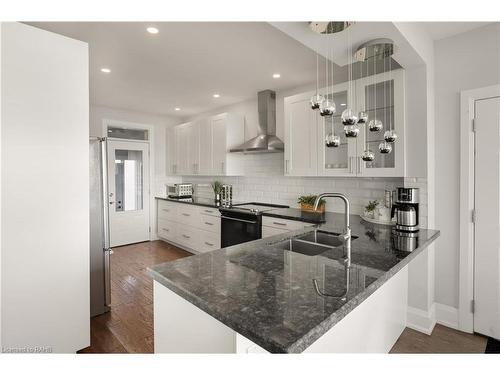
pixel 346 236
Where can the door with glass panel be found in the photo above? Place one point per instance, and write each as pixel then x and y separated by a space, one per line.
pixel 383 99
pixel 128 180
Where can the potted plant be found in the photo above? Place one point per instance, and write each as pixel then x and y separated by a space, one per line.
pixel 370 209
pixel 307 203
pixel 217 188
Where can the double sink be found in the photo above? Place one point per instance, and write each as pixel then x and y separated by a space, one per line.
pixel 312 243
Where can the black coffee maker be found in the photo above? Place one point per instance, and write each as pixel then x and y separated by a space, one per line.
pixel 405 209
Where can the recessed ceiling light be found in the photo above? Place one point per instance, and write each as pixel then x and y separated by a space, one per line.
pixel 105 70
pixel 152 30
pixel 177 109
pixel 276 75
pixel 216 95
pixel 343 104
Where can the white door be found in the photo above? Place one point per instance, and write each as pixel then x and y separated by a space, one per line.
pixel 128 180
pixel 487 228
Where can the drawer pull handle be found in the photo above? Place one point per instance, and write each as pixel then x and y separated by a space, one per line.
pixel 165 229
pixel 166 210
pixel 277 223
pixel 209 211
pixel 209 244
pixel 186 214
pixel 206 222
pixel 185 236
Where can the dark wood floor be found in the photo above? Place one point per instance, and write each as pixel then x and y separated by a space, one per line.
pixel 442 340
pixel 128 327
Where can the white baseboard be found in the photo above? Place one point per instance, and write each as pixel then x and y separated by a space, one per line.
pixel 446 315
pixel 421 320
pixel 424 321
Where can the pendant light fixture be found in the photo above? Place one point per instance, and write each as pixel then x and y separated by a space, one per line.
pixel 390 135
pixel 385 146
pixel 375 124
pixel 349 117
pixel 362 115
pixel 317 99
pixel 327 106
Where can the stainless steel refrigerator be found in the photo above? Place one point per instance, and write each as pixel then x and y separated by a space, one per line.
pixel 100 252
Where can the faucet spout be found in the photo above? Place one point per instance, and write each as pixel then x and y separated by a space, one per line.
pixel 346 236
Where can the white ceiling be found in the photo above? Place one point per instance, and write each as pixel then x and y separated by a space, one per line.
pixel 186 63
pixel 441 30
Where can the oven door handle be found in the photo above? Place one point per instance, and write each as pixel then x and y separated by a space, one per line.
pixel 243 221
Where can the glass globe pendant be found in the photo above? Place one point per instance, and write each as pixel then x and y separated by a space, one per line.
pixel 368 155
pixel 390 136
pixel 348 117
pixel 351 131
pixel 327 107
pixel 362 117
pixel 375 125
pixel 316 101
pixel 385 147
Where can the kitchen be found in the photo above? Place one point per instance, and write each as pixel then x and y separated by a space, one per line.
pixel 276 214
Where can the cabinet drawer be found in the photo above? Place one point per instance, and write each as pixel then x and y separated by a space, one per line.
pixel 210 223
pixel 187 236
pixel 284 224
pixel 208 241
pixel 167 210
pixel 187 214
pixel 167 229
pixel 209 211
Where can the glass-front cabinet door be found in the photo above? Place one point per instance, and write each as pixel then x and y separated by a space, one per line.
pixel 382 96
pixel 336 152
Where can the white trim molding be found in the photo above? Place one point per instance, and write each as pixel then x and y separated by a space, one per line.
pixel 446 315
pixel 466 262
pixel 424 321
pixel 421 320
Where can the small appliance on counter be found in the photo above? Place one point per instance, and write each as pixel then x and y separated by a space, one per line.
pixel 184 190
pixel 405 209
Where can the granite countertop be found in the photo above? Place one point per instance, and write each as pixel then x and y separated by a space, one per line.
pixel 197 201
pixel 265 292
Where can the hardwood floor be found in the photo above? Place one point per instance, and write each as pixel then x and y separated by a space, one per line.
pixel 442 340
pixel 128 327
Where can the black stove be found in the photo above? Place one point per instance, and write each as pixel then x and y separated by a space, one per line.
pixel 243 222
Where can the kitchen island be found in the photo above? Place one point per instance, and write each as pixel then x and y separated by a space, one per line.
pixel 259 296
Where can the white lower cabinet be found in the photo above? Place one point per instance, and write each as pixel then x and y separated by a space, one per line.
pixel 194 228
pixel 272 226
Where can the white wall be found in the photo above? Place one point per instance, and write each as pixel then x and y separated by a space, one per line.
pixel 466 61
pixel 44 191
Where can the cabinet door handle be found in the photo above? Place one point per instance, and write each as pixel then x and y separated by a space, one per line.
pixel 277 223
pixel 185 236
pixel 286 166
pixel 209 244
pixel 222 167
pixel 186 214
pixel 206 222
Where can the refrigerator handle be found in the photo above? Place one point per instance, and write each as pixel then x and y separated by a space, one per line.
pixel 105 211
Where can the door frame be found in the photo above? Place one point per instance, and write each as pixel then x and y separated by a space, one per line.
pixel 467 179
pixel 150 128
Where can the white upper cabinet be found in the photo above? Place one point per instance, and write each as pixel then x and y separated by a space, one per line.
pixel 202 147
pixel 301 137
pixel 306 131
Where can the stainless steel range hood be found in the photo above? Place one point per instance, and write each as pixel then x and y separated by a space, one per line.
pixel 266 140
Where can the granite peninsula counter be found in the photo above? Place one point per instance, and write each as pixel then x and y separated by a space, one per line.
pixel 258 296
